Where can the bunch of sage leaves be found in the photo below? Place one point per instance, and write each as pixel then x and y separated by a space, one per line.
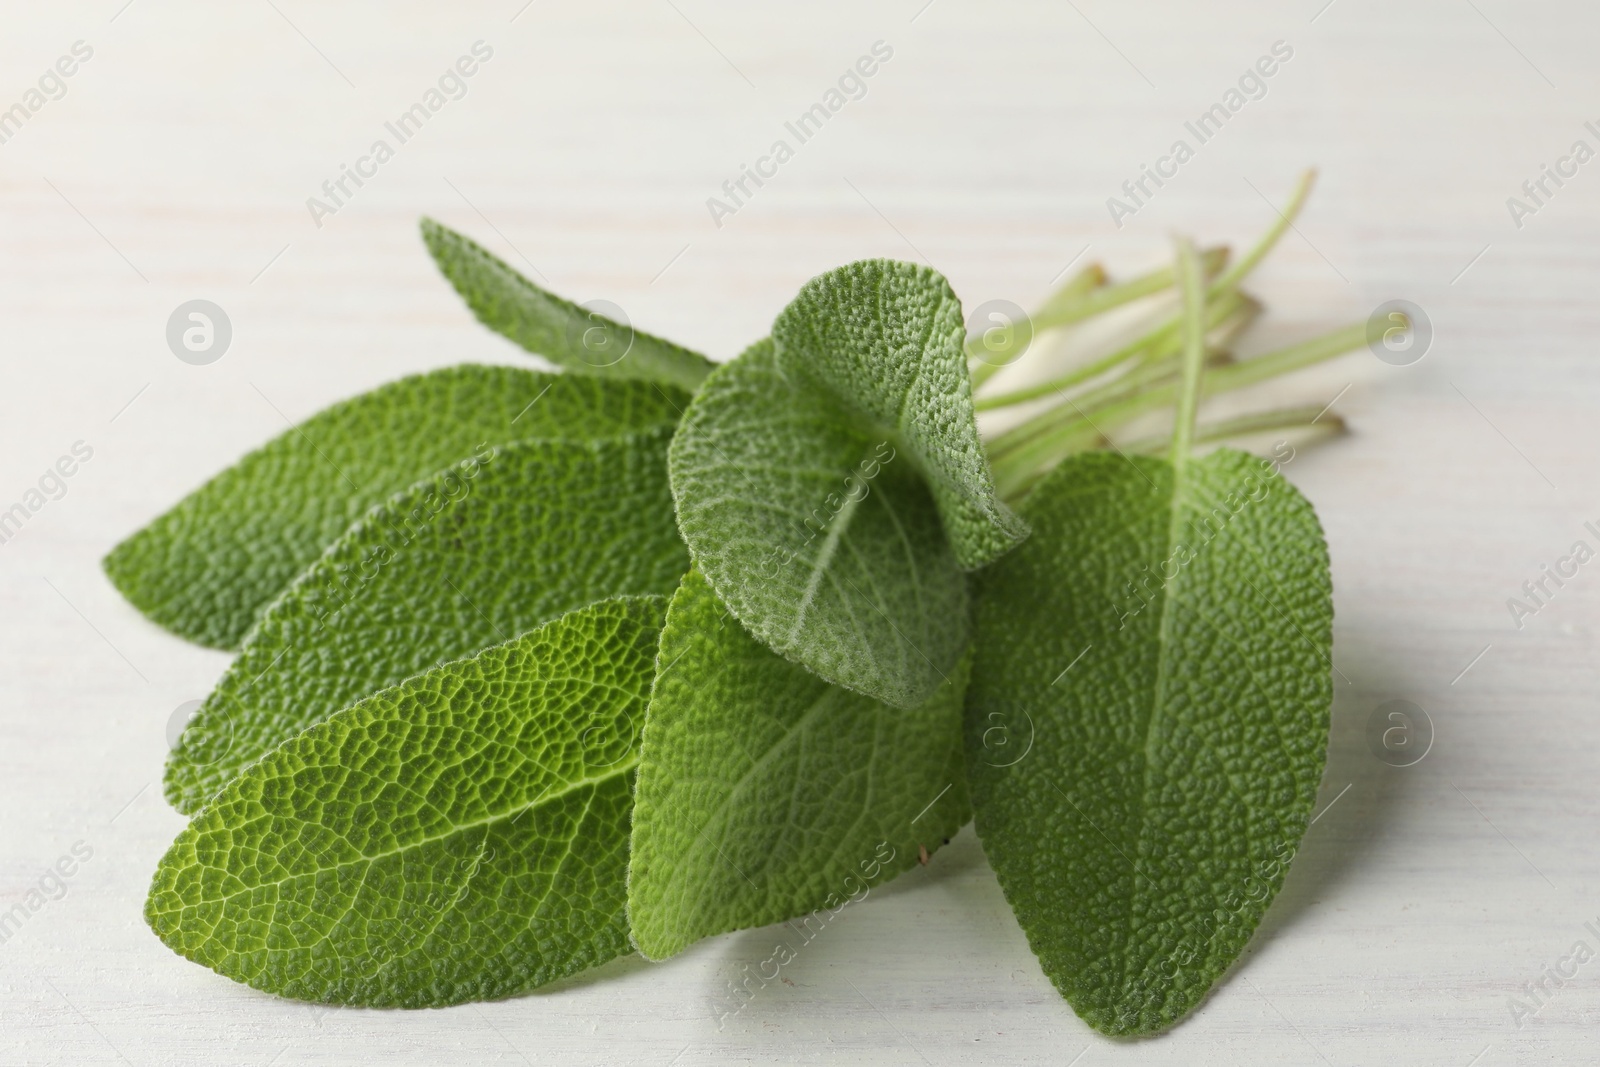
pixel 536 669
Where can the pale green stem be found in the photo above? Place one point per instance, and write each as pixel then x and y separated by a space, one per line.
pixel 1025 453
pixel 1221 285
pixel 1306 354
pixel 1224 333
pixel 1231 308
pixel 1072 305
pixel 1075 288
pixel 1024 463
pixel 1139 378
pixel 1194 352
pixel 1065 312
pixel 1308 416
pixel 1157 364
pixel 1085 281
pixel 1236 274
pixel 1078 424
pixel 1084 296
pixel 1226 283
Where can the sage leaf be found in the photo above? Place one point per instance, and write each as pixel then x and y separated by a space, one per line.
pixel 818 533
pixel 886 342
pixel 461 836
pixel 206 568
pixel 575 338
pixel 1147 721
pixel 766 793
pixel 472 558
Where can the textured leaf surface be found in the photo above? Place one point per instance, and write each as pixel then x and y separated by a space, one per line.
pixel 817 534
pixel 566 334
pixel 886 340
pixel 461 836
pixel 207 568
pixel 766 793
pixel 471 559
pixel 1141 803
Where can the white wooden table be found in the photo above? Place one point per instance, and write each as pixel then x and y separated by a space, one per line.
pixel 177 164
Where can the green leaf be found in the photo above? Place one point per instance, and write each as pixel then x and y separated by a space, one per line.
pixel 1144 754
pixel 886 341
pixel 470 559
pixel 766 793
pixel 461 836
pixel 207 568
pixel 576 338
pixel 818 533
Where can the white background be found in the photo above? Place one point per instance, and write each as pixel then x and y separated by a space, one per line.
pixel 177 166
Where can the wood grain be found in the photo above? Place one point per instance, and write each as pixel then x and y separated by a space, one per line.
pixel 177 165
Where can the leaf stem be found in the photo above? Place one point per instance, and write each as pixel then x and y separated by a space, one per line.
pixel 1022 464
pixel 1158 365
pixel 1297 200
pixel 1160 362
pixel 1231 310
pixel 1075 288
pixel 1194 351
pixel 1065 312
pixel 1303 416
pixel 1084 296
